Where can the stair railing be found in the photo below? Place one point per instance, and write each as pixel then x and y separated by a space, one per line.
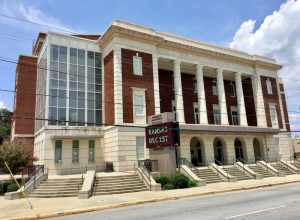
pixel 185 161
pixel 147 166
pixel 222 165
pixel 243 162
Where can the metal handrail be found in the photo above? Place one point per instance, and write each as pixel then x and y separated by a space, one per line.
pixel 185 161
pixel 243 163
pixel 222 165
pixel 147 166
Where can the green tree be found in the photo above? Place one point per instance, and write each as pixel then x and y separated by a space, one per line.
pixel 5 124
pixel 15 156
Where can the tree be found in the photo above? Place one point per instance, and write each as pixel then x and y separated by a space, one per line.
pixel 5 124
pixel 15 156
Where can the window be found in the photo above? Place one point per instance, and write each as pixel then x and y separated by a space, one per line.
pixel 273 115
pixel 235 116
pixel 269 87
pixel 215 87
pixel 217 115
pixel 196 113
pixel 91 151
pixel 232 91
pixel 58 151
pixel 137 66
pixel 75 151
pixel 139 105
pixel 140 151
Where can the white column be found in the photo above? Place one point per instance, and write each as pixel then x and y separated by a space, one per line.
pixel 156 83
pixel 118 96
pixel 222 98
pixel 259 102
pixel 201 95
pixel 240 99
pixel 178 92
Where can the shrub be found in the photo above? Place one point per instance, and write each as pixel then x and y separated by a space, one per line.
pixel 168 186
pixel 163 180
pixel 12 187
pixel 192 184
pixel 3 187
pixel 180 181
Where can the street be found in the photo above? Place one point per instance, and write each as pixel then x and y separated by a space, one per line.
pixel 269 203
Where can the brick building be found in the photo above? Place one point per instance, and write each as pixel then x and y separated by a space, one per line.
pixel 100 90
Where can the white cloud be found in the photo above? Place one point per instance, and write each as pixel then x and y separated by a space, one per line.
pixel 2 105
pixel 277 37
pixel 16 8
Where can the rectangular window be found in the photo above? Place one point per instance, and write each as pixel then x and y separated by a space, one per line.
pixel 196 114
pixel 91 151
pixel 58 151
pixel 137 66
pixel 75 151
pixel 232 91
pixel 235 116
pixel 269 87
pixel 140 149
pixel 217 115
pixel 139 105
pixel 215 87
pixel 273 115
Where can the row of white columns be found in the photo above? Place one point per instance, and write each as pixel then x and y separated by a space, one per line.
pixel 258 97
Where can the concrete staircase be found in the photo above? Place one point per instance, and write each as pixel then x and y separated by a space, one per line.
pixel 281 168
pixel 236 172
pixel 118 184
pixel 296 164
pixel 260 170
pixel 64 187
pixel 208 175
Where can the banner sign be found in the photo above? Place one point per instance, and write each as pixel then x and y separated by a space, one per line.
pixel 163 135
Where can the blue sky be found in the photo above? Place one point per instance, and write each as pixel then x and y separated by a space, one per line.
pixel 215 21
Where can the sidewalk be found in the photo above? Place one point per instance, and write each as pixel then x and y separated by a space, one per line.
pixel 51 207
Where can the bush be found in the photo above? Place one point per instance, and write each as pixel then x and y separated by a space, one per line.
pixel 163 180
pixel 3 186
pixel 12 187
pixel 180 181
pixel 192 184
pixel 168 186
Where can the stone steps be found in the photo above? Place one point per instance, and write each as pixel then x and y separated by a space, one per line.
pixel 208 175
pixel 282 169
pixel 51 188
pixel 237 173
pixel 118 185
pixel 260 170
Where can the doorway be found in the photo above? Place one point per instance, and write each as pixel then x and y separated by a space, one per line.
pixel 197 157
pixel 239 153
pixel 219 152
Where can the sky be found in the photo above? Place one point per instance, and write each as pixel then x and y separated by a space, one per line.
pixel 263 27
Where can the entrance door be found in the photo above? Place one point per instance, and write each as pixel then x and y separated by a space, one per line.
pixel 257 150
pixel 239 154
pixel 196 152
pixel 219 152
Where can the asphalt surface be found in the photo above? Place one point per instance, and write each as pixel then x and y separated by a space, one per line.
pixel 268 204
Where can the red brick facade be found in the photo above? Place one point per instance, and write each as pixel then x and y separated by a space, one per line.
pixel 249 102
pixel 166 90
pixel 230 100
pixel 284 107
pixel 274 98
pixel 109 89
pixel 129 81
pixel 189 97
pixel 210 98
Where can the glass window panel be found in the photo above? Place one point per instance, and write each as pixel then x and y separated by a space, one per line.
pixel 62 84
pixel 81 57
pixel 54 53
pixel 98 101
pixel 90 75
pixel 62 100
pixel 72 99
pixel 91 87
pixel 91 151
pixel 81 117
pixel 73 85
pixel 54 66
pixel 81 78
pixel 73 77
pixel 52 116
pixel 81 86
pixel 53 97
pixel 63 71
pixel 137 66
pixel 140 151
pixel 98 76
pixel 98 117
pixel 91 101
pixel 53 84
pixel 54 74
pixel 73 69
pixel 138 104
pixel 81 70
pixel 75 151
pixel 72 116
pixel 81 100
pixel 98 88
pixel 90 59
pixel 58 151
pixel 98 60
pixel 91 117
pixel 73 55
pixel 61 116
pixel 63 54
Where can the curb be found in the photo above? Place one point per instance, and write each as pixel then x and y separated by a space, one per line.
pixel 126 204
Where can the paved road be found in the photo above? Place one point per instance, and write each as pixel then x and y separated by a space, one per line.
pixel 270 203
